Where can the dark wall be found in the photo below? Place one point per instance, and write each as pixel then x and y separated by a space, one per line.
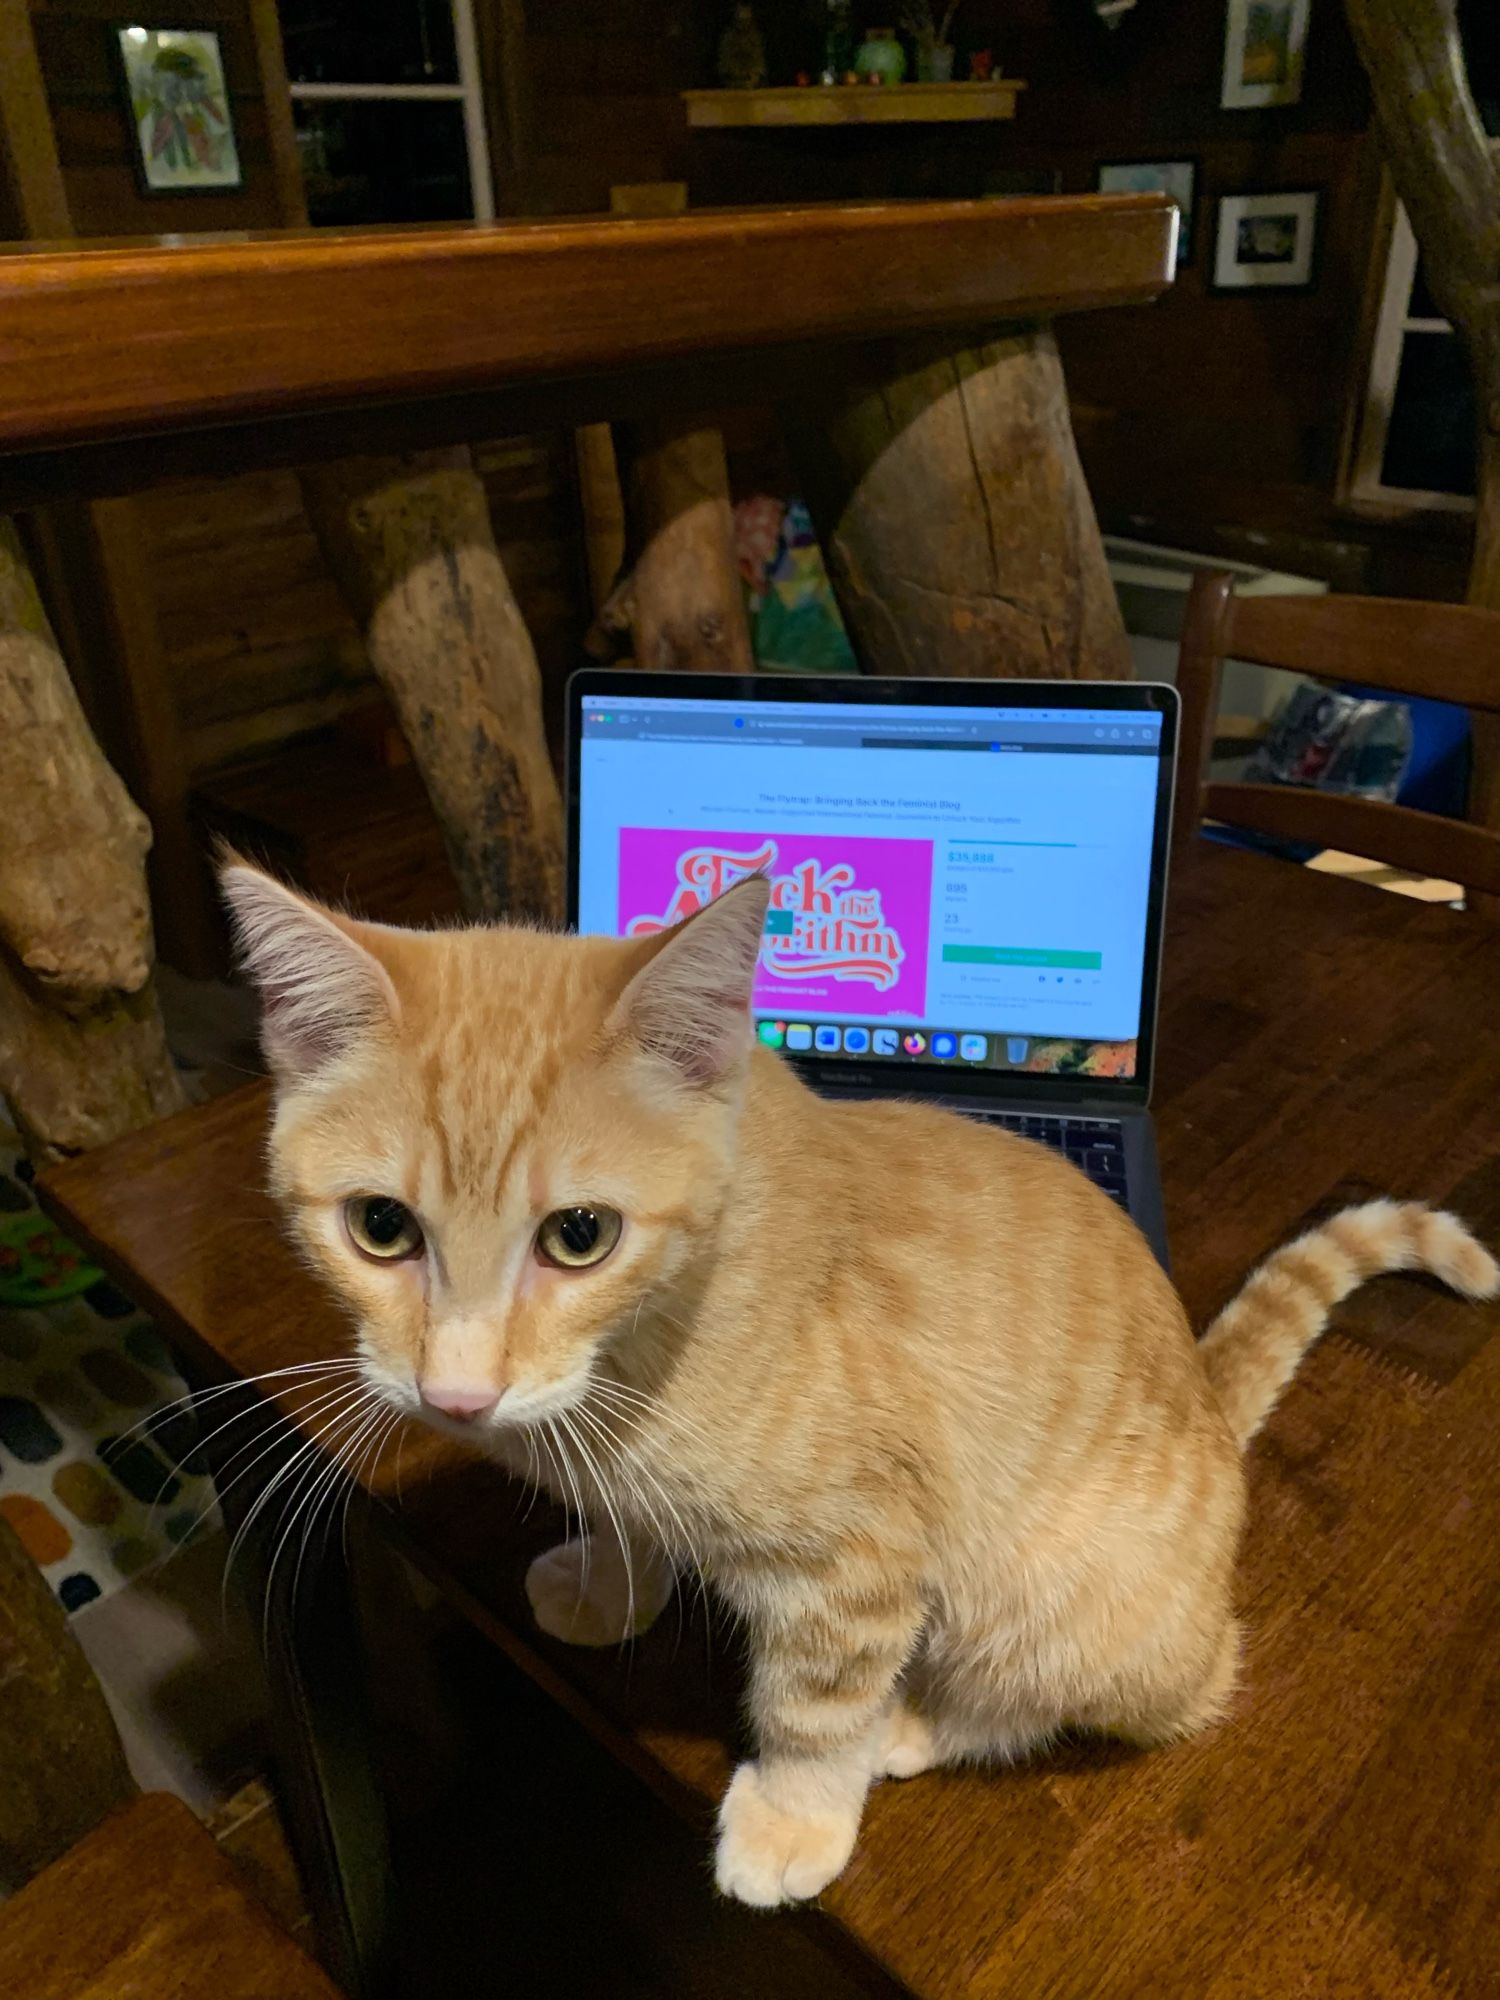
pixel 1218 418
pixel 74 41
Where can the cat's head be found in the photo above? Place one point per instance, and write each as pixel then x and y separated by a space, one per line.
pixel 495 1144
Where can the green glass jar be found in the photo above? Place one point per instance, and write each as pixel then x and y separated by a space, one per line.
pixel 881 56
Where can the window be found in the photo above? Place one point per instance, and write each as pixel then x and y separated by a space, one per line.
pixel 389 110
pixel 1417 428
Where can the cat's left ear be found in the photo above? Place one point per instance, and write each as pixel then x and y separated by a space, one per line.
pixel 321 990
pixel 689 1005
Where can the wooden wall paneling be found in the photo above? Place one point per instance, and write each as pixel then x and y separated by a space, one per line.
pixel 505 64
pixel 281 128
pixel 35 203
pixel 94 136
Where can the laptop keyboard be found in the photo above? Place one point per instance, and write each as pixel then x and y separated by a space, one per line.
pixel 1096 1145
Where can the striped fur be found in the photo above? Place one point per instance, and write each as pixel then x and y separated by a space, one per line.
pixel 911 1394
pixel 1253 1348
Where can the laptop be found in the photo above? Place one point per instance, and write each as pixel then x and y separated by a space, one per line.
pixel 968 881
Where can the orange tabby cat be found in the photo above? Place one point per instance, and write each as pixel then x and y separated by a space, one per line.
pixel 910 1392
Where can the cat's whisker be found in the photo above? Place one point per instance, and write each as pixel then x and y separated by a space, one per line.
pixel 317 1483
pixel 222 1481
pixel 276 1422
pixel 366 1470
pixel 561 1459
pixel 674 1554
pixel 194 1399
pixel 344 1397
pixel 609 1507
pixel 637 1404
pixel 631 1472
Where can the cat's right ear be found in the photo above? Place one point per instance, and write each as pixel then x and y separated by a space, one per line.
pixel 321 990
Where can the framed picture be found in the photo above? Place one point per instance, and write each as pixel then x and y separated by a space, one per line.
pixel 1178 178
pixel 1264 41
pixel 178 107
pixel 1265 242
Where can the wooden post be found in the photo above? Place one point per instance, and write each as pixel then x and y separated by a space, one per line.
pixel 28 156
pixel 410 544
pixel 82 1053
pixel 684 598
pixel 1448 175
pixel 955 521
pixel 678 591
pixel 61 1765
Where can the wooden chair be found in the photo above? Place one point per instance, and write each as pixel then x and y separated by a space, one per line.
pixel 1445 652
pixel 119 1892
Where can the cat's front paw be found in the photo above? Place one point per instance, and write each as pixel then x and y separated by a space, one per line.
pixel 767 1855
pixel 582 1593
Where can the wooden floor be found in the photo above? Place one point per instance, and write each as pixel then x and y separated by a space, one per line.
pixel 1340 1833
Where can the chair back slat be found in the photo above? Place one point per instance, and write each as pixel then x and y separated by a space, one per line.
pixel 1425 843
pixel 1445 652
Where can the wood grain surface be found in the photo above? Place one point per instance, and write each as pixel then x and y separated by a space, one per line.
pixel 147 1907
pixel 1338 1833
pixel 239 326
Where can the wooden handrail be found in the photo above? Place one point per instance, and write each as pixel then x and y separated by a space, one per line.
pixel 106 341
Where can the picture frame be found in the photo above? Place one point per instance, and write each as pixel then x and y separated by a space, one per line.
pixel 1266 242
pixel 1178 178
pixel 176 103
pixel 1265 42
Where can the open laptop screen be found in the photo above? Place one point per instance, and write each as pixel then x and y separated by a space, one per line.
pixel 958 883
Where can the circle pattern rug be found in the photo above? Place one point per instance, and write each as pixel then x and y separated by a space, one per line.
pixel 99 1472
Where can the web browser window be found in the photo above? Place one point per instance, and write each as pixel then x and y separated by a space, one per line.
pixel 949 885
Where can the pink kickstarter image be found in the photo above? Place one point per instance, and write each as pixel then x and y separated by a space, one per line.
pixel 847 929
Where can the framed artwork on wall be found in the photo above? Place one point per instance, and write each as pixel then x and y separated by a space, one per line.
pixel 1178 178
pixel 1265 242
pixel 1264 44
pixel 178 106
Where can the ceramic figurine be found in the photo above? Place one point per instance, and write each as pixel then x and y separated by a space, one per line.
pixel 881 58
pixel 839 40
pixel 742 53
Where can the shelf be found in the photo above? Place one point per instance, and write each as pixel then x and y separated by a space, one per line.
pixel 855 104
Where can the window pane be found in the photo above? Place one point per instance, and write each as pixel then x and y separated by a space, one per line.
pixel 1479 30
pixel 374 162
pixel 369 41
pixel 1423 305
pixel 1430 444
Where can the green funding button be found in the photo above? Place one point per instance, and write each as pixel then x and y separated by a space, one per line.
pixel 1020 954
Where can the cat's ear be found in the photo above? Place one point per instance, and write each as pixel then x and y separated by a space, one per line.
pixel 689 1005
pixel 321 990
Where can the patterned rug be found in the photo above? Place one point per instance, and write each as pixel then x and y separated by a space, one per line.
pixel 98 1473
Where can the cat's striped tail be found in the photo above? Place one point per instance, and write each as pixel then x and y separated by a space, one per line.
pixel 1253 1348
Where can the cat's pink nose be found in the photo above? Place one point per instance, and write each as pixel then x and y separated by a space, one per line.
pixel 459 1399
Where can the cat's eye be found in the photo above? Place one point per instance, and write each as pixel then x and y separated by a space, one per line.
pixel 578 1237
pixel 382 1228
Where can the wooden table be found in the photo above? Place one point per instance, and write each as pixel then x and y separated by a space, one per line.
pixel 1341 1832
